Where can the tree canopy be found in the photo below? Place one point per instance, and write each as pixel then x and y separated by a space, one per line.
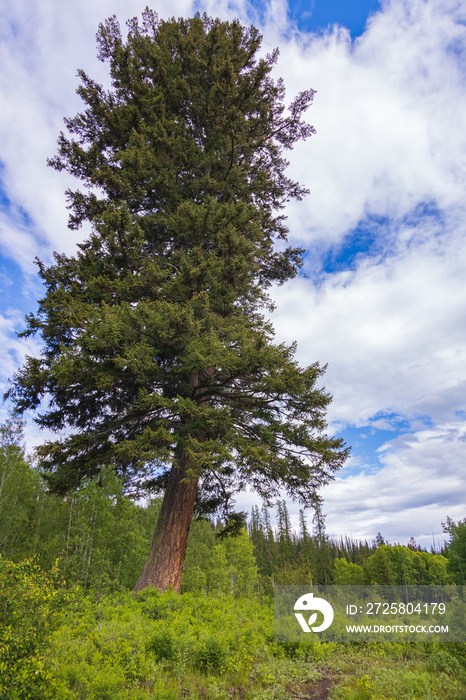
pixel 158 361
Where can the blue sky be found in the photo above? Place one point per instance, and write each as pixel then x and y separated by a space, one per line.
pixel 384 297
pixel 319 15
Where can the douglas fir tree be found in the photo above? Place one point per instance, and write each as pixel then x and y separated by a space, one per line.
pixel 156 358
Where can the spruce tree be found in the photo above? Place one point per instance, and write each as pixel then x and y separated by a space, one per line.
pixel 305 544
pixel 284 536
pixel 323 549
pixel 157 358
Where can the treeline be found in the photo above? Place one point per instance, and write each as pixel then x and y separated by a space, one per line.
pixel 287 557
pixel 100 538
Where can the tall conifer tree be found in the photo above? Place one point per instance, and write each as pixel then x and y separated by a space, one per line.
pixel 157 358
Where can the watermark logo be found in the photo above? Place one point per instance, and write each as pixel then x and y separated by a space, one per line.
pixel 308 603
pixel 314 613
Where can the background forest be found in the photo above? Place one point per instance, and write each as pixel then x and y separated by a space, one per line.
pixel 101 537
pixel 71 628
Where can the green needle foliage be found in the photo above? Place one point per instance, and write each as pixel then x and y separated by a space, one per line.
pixel 157 357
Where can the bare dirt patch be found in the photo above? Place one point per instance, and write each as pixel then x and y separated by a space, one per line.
pixel 314 691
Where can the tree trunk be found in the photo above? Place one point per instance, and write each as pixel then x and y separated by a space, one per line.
pixel 164 565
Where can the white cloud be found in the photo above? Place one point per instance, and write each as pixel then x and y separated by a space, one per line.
pixel 390 117
pixel 393 330
pixel 421 482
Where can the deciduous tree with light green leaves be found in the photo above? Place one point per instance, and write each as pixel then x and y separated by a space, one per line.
pixel 456 551
pixel 158 360
pixel 20 489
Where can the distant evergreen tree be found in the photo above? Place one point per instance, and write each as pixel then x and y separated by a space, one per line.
pixel 323 565
pixel 378 569
pixel 306 549
pixel 284 538
pixel 260 542
pixel 379 540
pixel 270 542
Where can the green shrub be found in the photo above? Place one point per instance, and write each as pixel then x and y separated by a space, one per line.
pixel 210 655
pixel 444 662
pixel 162 646
pixel 29 605
pixel 458 650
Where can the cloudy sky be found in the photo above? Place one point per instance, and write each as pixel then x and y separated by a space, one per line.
pixel 384 300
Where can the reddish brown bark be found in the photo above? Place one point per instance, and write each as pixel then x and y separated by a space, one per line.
pixel 164 565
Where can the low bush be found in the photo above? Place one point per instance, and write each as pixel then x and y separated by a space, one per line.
pixel 30 601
